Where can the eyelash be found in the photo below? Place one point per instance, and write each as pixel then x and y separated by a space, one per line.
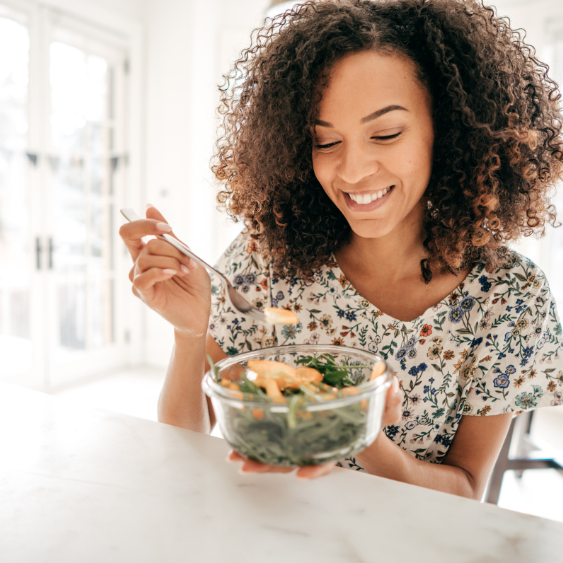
pixel 378 138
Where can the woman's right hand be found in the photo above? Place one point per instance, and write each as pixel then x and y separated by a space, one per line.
pixel 169 282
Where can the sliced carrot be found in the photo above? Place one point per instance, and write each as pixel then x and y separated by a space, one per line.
pixel 258 414
pixel 379 369
pixel 267 369
pixel 349 391
pixel 307 374
pixel 273 391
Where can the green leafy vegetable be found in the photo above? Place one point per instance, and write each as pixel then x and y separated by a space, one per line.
pixel 333 374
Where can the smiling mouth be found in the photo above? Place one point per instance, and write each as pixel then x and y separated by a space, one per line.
pixel 367 198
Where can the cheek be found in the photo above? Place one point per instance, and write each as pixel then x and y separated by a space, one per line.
pixel 418 165
pixel 322 170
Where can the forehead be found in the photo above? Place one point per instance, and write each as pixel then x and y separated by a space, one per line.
pixel 364 82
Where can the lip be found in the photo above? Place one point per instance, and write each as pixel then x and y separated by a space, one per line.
pixel 353 206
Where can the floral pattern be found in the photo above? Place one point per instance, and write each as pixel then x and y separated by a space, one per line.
pixel 493 346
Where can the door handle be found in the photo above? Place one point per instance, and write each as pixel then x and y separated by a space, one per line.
pixel 51 250
pixel 38 251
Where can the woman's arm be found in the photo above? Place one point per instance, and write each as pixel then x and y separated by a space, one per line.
pixel 466 468
pixel 178 290
pixel 182 401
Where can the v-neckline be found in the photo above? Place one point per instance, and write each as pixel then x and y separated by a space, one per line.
pixel 473 274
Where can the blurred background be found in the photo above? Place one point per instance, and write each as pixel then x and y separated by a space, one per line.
pixel 111 103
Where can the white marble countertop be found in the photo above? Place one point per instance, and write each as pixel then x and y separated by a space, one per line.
pixel 80 485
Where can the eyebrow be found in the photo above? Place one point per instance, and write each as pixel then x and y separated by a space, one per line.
pixel 369 117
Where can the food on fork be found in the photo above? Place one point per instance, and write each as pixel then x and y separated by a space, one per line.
pixel 275 316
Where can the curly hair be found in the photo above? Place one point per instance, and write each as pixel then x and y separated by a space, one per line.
pixel 497 152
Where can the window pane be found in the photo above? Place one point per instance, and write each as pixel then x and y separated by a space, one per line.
pixel 101 237
pixel 101 313
pixel 13 127
pixel 72 316
pixel 78 95
pixel 70 237
pixel 14 68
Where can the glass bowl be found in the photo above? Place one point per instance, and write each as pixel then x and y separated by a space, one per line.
pixel 302 431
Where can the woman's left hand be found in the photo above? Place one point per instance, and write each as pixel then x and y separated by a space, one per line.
pixel 391 415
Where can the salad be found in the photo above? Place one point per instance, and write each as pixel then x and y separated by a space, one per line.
pixel 293 416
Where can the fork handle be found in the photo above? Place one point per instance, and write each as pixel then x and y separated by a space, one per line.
pixel 185 250
pixel 130 215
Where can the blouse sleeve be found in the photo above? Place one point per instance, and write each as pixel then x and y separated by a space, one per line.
pixel 244 267
pixel 519 362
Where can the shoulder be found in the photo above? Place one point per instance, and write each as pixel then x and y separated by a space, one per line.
pixel 242 257
pixel 519 280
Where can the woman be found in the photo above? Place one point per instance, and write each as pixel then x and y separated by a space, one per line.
pixel 382 155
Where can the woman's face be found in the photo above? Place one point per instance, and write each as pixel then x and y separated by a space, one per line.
pixel 372 150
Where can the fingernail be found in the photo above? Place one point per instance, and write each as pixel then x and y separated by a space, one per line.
pixel 164 227
pixel 149 205
pixel 193 264
pixel 184 269
pixel 169 272
pixel 395 385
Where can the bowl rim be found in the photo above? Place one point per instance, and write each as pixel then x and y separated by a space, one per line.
pixel 213 390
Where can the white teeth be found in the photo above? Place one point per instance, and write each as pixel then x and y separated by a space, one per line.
pixel 364 199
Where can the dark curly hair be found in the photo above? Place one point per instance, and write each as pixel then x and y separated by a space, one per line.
pixel 498 149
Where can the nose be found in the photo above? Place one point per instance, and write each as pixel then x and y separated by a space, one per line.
pixel 356 164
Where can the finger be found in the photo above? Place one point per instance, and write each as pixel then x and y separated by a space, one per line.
pixel 133 233
pixel 153 213
pixel 235 456
pixel 250 466
pixel 146 262
pixel 315 471
pixel 146 281
pixel 159 247
pixel 393 404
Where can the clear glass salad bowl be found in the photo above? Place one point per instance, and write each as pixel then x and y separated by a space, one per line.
pixel 304 429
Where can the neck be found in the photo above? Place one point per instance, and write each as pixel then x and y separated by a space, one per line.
pixel 394 256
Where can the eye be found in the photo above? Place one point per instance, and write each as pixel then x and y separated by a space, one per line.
pixel 326 146
pixel 387 137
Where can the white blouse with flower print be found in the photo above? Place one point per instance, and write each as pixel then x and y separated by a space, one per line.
pixel 493 346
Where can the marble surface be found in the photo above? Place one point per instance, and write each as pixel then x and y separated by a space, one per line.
pixel 81 485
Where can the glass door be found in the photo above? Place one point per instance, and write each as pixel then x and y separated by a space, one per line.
pixel 62 174
pixel 86 172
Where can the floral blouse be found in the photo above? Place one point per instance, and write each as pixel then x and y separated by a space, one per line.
pixel 493 346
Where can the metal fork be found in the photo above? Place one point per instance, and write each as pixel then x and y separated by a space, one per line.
pixel 237 301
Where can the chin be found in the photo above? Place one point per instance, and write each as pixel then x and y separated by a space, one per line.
pixel 370 228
